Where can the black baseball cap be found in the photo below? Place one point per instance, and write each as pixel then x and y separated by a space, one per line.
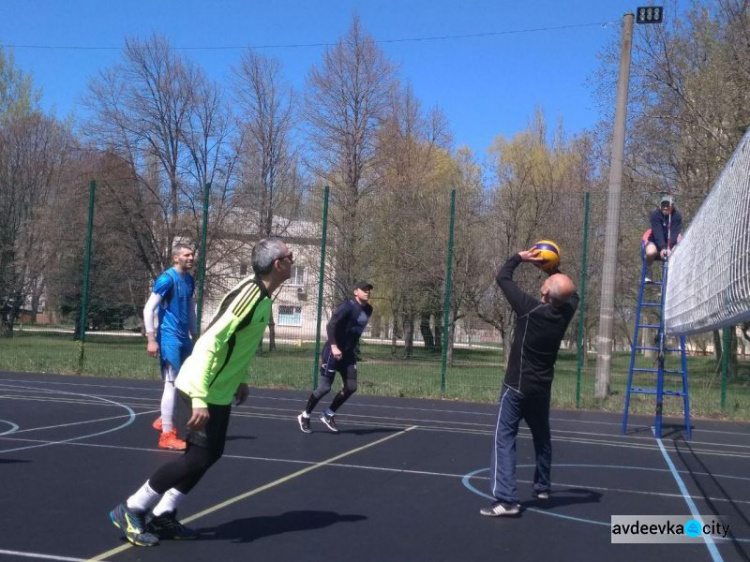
pixel 364 285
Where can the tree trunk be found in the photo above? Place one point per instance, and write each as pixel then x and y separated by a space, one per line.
pixel 717 344
pixel 271 333
pixel 426 330
pixel 6 323
pixel 408 336
pixel 393 337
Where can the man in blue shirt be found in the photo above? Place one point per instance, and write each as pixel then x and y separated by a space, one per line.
pixel 339 355
pixel 172 297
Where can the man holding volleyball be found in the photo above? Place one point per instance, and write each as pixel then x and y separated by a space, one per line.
pixel 539 330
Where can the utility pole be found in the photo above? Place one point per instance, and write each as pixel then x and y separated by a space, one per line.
pixel 605 342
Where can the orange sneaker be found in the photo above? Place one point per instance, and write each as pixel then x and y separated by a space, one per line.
pixel 169 440
pixel 157 424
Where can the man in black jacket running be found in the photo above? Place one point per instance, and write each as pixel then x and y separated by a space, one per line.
pixel 344 329
pixel 540 327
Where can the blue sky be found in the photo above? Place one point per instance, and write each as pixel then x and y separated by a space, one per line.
pixel 486 85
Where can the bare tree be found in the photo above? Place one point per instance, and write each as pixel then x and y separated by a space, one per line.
pixel 271 186
pixel 346 100
pixel 157 112
pixel 33 150
pixel 271 183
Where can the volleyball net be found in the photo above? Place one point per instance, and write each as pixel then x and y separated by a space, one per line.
pixel 708 282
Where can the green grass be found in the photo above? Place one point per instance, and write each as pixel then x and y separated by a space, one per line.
pixel 476 375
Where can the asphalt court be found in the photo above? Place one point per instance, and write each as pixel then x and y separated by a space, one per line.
pixel 404 480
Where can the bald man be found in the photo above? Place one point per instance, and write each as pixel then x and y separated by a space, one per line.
pixel 539 330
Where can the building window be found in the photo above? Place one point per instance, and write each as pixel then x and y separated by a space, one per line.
pixel 298 275
pixel 290 315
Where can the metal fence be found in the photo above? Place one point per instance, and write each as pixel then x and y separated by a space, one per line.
pixel 447 352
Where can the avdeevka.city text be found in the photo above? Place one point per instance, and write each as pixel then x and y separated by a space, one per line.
pixel 714 528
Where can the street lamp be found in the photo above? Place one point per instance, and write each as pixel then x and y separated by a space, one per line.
pixel 649 14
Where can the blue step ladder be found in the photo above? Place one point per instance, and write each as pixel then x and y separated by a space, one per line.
pixel 651 295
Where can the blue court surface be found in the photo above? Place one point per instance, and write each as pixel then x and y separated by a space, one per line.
pixel 404 480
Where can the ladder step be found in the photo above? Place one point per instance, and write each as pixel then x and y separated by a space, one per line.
pixel 648 348
pixel 657 283
pixel 643 391
pixel 653 391
pixel 651 304
pixel 655 326
pixel 666 371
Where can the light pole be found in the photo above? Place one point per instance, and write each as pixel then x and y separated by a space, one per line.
pixel 605 343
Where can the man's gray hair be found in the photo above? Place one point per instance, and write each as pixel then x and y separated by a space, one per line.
pixel 267 251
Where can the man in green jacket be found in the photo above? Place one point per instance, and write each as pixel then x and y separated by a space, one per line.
pixel 210 380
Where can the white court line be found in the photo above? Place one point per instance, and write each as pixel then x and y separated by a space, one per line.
pixel 715 556
pixel 439 474
pixel 478 428
pixel 616 441
pixel 40 556
pixel 430 425
pixel 265 487
pixel 131 419
pixel 356 405
pixel 13 427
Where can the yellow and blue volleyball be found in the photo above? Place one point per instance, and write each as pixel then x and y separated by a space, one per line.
pixel 550 254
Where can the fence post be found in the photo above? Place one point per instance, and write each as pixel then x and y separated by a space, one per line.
pixel 86 271
pixel 202 254
pixel 321 271
pixel 447 301
pixel 581 308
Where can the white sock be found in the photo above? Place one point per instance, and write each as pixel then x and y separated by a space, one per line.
pixel 144 499
pixel 169 502
pixel 305 415
pixel 167 404
pixel 330 413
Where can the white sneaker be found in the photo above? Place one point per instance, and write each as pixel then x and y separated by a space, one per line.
pixel 501 509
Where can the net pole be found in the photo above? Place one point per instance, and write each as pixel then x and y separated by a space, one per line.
pixel 447 301
pixel 321 271
pixel 581 306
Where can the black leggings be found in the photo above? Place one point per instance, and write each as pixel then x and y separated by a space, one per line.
pixel 204 448
pixel 346 367
pixel 184 473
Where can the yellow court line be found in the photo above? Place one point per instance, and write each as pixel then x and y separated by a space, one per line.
pixel 230 501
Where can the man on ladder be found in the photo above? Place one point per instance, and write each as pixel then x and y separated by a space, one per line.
pixel 664 234
pixel 657 244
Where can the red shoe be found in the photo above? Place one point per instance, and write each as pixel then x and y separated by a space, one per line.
pixel 157 424
pixel 169 440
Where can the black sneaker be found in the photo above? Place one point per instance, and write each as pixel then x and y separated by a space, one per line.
pixel 133 524
pixel 330 424
pixel 541 495
pixel 501 509
pixel 304 423
pixel 166 526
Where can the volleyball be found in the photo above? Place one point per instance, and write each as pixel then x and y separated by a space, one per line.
pixel 550 254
